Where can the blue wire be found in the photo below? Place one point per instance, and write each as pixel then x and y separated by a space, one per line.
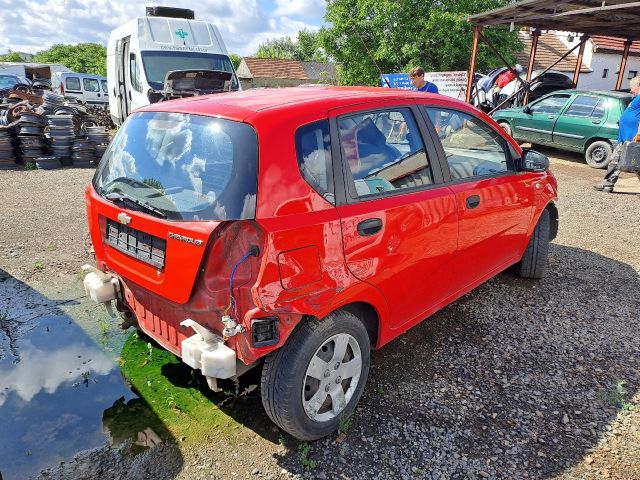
pixel 233 272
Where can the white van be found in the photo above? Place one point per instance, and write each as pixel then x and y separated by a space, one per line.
pixel 143 51
pixel 91 89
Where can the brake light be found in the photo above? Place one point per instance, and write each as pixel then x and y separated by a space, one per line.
pixel 62 89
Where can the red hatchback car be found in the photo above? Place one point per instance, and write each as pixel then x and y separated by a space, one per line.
pixel 300 228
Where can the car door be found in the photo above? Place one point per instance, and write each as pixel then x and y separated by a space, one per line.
pixel 73 87
pixel 91 87
pixel 105 91
pixel 399 222
pixel 494 202
pixel 536 125
pixel 580 120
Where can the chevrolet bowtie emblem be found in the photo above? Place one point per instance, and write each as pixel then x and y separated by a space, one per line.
pixel 124 219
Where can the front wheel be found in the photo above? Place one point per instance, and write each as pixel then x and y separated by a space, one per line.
pixel 318 376
pixel 535 259
pixel 598 154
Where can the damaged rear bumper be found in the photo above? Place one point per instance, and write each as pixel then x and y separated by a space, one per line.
pixel 204 351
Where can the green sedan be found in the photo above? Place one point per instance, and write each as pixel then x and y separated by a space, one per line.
pixel 574 120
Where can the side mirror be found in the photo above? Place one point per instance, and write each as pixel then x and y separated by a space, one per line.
pixel 527 109
pixel 533 161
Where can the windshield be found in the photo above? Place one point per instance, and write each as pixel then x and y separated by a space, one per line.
pixel 186 167
pixel 157 64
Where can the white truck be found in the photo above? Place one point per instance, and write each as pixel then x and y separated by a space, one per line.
pixel 167 54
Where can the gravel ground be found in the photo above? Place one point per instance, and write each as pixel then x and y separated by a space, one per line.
pixel 518 379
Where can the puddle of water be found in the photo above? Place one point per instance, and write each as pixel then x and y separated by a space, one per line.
pixel 60 392
pixel 63 389
pixel 52 396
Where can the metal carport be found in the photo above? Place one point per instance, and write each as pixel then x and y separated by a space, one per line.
pixel 612 18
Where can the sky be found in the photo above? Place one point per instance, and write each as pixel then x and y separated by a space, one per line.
pixel 33 25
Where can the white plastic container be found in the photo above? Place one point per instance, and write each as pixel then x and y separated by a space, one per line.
pixel 101 288
pixel 207 352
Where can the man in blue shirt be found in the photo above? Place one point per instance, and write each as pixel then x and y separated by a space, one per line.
pixel 628 128
pixel 416 75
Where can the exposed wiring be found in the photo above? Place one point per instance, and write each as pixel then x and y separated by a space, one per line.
pixel 253 252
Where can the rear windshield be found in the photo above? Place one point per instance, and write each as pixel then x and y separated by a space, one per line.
pixel 185 167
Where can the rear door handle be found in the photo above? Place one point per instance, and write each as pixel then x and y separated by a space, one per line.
pixel 369 227
pixel 473 201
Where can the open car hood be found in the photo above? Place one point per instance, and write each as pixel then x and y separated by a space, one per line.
pixel 205 81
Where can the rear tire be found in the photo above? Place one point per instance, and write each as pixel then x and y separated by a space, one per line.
pixel 506 127
pixel 598 154
pixel 535 259
pixel 318 376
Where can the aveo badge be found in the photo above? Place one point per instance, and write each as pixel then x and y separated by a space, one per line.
pixel 182 238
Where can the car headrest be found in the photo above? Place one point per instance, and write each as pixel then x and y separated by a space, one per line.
pixel 367 132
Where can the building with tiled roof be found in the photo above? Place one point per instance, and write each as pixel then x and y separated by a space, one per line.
pixel 550 48
pixel 600 63
pixel 272 72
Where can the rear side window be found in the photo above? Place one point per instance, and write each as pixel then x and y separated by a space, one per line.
pixel 91 85
pixel 586 106
pixel 472 148
pixel 313 148
pixel 187 167
pixel 72 83
pixel 383 151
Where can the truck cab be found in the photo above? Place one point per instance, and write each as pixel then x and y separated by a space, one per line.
pixel 146 55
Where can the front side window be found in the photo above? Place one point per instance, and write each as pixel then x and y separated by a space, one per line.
pixel 90 85
pixel 550 105
pixel 313 147
pixel 105 87
pixel 72 83
pixel 134 73
pixel 383 151
pixel 472 148
pixel 185 167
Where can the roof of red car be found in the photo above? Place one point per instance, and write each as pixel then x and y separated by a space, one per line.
pixel 239 105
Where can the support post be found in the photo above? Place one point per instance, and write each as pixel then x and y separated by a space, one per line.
pixel 472 63
pixel 576 72
pixel 623 64
pixel 532 56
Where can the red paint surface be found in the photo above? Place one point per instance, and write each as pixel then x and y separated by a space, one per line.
pixel 430 251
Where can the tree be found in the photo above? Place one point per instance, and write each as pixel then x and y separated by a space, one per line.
pixel 282 47
pixel 12 57
pixel 81 58
pixel 306 48
pixel 235 59
pixel 401 34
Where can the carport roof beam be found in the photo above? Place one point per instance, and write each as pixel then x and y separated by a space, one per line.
pixel 619 18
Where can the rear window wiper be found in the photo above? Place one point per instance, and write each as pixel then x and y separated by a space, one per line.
pixel 124 198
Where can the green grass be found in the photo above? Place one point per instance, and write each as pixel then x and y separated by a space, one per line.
pixel 617 396
pixel 344 424
pixel 30 166
pixel 179 398
pixel 304 449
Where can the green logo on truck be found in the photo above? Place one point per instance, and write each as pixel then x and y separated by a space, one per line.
pixel 182 34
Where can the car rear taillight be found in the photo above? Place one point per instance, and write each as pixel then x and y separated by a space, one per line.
pixel 61 89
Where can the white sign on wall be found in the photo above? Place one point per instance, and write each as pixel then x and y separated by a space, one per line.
pixel 451 84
